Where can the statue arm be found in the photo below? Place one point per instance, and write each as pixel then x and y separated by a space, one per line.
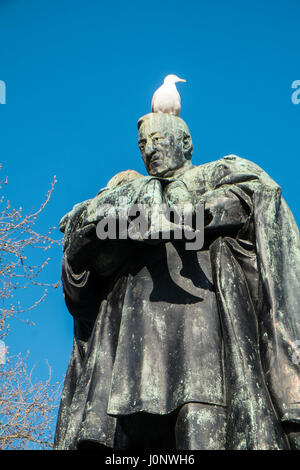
pixel 226 209
pixel 81 247
pixel 79 291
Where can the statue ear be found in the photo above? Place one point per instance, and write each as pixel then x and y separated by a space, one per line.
pixel 186 141
pixel 188 146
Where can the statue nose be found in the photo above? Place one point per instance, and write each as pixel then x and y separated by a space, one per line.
pixel 149 149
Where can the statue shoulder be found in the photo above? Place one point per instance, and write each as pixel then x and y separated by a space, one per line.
pixel 74 213
pixel 243 166
pixel 231 161
pixel 123 177
pixel 229 169
pixel 241 163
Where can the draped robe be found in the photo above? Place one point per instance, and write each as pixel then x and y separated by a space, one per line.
pixel 157 326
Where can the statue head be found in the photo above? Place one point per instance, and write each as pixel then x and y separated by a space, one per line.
pixel 165 143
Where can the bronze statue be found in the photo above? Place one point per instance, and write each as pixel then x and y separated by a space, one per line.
pixel 177 348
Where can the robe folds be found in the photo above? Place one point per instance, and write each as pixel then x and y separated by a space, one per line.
pixel 157 326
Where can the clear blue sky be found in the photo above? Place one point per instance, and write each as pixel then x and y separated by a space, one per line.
pixel 79 74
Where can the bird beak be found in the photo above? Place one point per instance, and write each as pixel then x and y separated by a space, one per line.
pixel 182 80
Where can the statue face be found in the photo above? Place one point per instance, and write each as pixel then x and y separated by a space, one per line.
pixel 162 149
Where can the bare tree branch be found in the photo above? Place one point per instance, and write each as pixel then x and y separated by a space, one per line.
pixel 27 409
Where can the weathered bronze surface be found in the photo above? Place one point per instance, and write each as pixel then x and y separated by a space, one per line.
pixel 179 349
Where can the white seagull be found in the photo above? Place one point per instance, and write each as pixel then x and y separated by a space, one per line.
pixel 166 99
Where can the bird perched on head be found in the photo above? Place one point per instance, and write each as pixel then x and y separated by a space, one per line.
pixel 166 99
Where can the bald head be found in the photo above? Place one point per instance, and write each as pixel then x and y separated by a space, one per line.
pixel 165 143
